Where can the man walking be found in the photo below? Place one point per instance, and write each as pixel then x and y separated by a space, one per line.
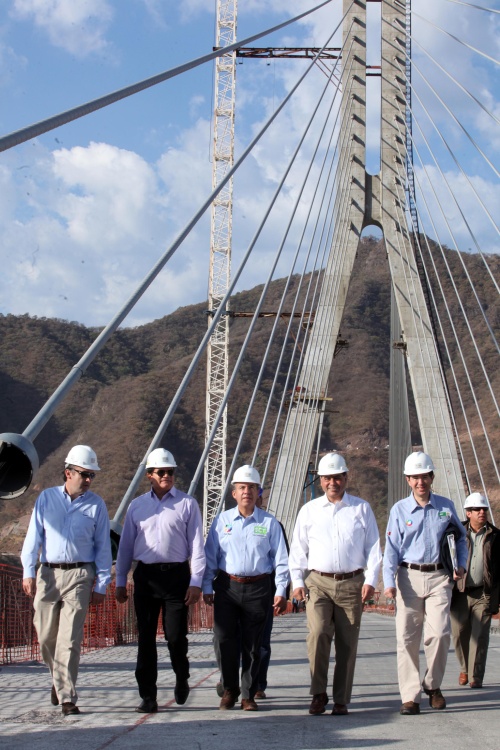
pixel 412 554
pixel 335 538
pixel 475 596
pixel 244 546
pixel 162 532
pixel 69 526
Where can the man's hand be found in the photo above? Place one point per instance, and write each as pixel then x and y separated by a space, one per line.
pixel 208 599
pixel 367 592
pixel 192 595
pixel 458 574
pixel 97 598
pixel 390 592
pixel 299 594
pixel 121 595
pixel 29 586
pixel 279 604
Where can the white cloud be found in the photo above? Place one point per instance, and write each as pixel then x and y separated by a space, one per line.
pixel 77 26
pixel 98 219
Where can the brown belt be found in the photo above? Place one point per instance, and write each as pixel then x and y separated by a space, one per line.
pixel 65 566
pixel 245 579
pixel 340 576
pixel 429 568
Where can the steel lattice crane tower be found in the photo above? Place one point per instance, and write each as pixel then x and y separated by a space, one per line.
pixel 220 257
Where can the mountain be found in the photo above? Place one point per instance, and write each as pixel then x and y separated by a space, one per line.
pixel 119 402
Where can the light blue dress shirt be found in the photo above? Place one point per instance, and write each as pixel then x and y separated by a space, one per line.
pixel 246 547
pixel 66 531
pixel 414 534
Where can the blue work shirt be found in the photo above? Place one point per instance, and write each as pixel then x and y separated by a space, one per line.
pixel 414 534
pixel 66 531
pixel 246 547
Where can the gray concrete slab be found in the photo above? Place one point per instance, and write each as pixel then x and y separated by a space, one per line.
pixel 108 696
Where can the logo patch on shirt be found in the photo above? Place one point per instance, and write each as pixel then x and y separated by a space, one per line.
pixel 444 514
pixel 409 522
pixel 260 530
pixel 227 529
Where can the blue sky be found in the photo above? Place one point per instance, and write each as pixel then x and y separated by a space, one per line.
pixel 88 208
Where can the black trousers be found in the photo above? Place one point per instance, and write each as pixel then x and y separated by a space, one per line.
pixel 161 589
pixel 240 614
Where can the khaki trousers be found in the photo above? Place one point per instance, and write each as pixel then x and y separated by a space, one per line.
pixel 333 612
pixel 61 602
pixel 422 604
pixel 470 626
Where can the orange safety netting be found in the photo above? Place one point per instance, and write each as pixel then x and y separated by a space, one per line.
pixel 109 624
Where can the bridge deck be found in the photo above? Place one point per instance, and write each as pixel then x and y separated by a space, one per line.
pixel 107 697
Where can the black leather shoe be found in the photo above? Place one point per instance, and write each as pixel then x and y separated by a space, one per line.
pixel 53 697
pixel 69 709
pixel 181 692
pixel 147 706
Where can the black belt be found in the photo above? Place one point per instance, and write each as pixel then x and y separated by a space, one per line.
pixel 163 565
pixel 340 576
pixel 245 579
pixel 430 568
pixel 65 566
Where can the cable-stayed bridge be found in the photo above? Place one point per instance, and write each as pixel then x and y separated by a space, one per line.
pixel 429 184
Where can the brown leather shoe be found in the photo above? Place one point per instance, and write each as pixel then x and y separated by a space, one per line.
pixel 228 700
pixel 260 695
pixel 476 684
pixel 248 704
pixel 410 708
pixel 69 709
pixel 436 699
pixel 339 709
pixel 463 678
pixel 318 704
pixel 53 696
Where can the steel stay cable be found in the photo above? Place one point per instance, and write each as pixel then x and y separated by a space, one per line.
pixel 249 250
pixel 31 131
pixel 183 385
pixel 452 369
pixel 311 403
pixel 299 286
pixel 456 338
pixel 291 477
pixel 477 7
pixel 309 385
pixel 454 285
pixel 460 258
pixel 480 201
pixel 460 41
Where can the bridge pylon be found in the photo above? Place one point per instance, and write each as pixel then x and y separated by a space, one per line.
pixel 362 199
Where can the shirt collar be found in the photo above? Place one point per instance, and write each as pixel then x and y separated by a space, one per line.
pixel 345 501
pixel 63 489
pixel 170 493
pixel 256 514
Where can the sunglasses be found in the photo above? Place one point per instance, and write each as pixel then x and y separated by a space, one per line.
pixel 477 510
pixel 161 472
pixel 85 474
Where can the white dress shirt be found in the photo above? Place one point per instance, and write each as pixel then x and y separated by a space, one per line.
pixel 335 538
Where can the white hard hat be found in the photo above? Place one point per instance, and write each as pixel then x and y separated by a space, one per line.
pixel 246 474
pixel 332 463
pixel 84 456
pixel 418 463
pixel 160 459
pixel 476 500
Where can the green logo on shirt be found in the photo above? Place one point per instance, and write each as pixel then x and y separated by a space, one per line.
pixel 260 530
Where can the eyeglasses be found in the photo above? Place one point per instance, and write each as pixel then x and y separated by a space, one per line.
pixel 421 476
pixel 85 474
pixel 477 510
pixel 161 472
